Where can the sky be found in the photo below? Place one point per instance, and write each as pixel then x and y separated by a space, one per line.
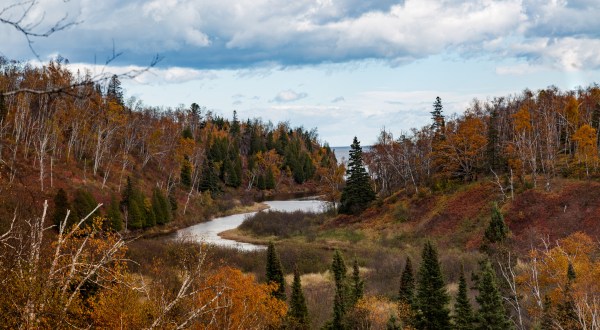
pixel 347 67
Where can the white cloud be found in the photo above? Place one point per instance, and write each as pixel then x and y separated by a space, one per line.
pixel 289 96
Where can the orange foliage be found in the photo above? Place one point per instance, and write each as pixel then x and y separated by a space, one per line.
pixel 546 273
pixel 244 304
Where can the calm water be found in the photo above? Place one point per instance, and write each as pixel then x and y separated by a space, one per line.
pixel 208 232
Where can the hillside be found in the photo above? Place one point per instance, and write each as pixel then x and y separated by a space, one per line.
pixel 90 141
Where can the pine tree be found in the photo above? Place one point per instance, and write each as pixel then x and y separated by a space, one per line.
pixel 340 300
pixel 463 312
pixel 186 172
pixel 491 314
pixel 565 310
pixel 547 322
pixel 438 117
pixel 358 284
pixel 114 215
pixel 392 323
pixel 497 229
pixel 274 272
pixel 61 205
pixel 357 193
pixel 149 216
pixel 161 207
pixel 269 179
pixel 135 217
pixel 210 178
pixel 407 284
pixel 431 299
pixel 115 91
pixel 298 311
pixel 83 204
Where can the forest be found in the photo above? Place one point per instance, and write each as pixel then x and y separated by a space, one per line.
pixel 485 219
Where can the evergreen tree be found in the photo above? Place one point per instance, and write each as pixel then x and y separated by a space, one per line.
pixel 133 202
pixel 565 310
pixel 298 310
pixel 269 179
pixel 407 284
pixel 274 272
pixel 61 206
pixel 115 91
pixel 260 183
pixel 358 284
pixel 114 215
pixel 186 172
pixel 392 323
pixel 437 116
pixel 497 229
pixel 491 314
pixel 210 178
pixel 431 299
pixel 161 207
pixel 463 312
pixel 149 216
pixel 357 193
pixel 547 322
pixel 340 300
pixel 135 217
pixel 83 204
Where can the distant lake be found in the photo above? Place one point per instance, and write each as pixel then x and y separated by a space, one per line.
pixel 343 153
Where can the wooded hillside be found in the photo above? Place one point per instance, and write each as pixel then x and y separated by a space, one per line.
pixel 85 135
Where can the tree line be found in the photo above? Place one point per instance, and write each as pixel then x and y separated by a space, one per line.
pixel 523 140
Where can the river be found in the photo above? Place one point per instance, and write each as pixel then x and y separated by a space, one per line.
pixel 208 232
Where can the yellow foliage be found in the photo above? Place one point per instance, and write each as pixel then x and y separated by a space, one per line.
pixel 242 303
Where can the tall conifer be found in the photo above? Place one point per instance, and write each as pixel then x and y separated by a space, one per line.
pixel 491 314
pixel 431 299
pixel 61 205
pixel 358 285
pixel 298 310
pixel 338 267
pixel 407 284
pixel 274 272
pixel 463 312
pixel 358 192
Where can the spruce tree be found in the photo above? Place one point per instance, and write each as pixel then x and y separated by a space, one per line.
pixel 547 322
pixel 463 312
pixel 407 284
pixel 83 204
pixel 114 215
pixel 438 117
pixel 497 229
pixel 338 268
pixel 358 192
pixel 161 207
pixel 61 205
pixel 358 285
pixel 491 314
pixel 298 311
pixel 274 272
pixel 115 91
pixel 565 310
pixel 186 172
pixel 431 299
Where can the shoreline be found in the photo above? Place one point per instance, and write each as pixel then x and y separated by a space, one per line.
pixel 174 227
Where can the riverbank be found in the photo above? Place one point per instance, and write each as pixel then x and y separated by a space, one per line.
pixel 240 236
pixel 174 226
